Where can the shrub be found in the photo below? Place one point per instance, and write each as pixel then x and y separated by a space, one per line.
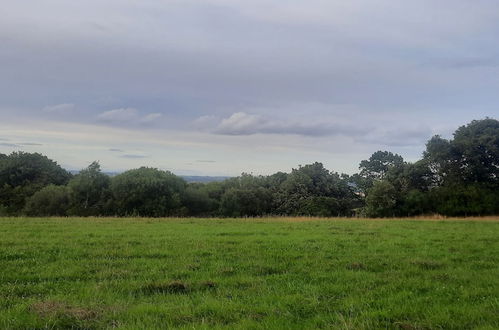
pixel 51 200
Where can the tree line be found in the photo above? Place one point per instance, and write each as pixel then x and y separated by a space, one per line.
pixel 455 177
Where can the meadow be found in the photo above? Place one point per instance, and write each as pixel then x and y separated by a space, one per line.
pixel 276 273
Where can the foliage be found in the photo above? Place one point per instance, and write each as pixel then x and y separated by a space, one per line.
pixel 49 201
pixel 477 149
pixel 471 157
pixel 147 192
pixel 469 200
pixel 314 190
pixel 22 174
pixel 89 192
pixel 458 176
pixel 381 200
pixel 376 167
pixel 197 201
pixel 251 201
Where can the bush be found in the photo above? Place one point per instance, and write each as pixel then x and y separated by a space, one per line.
pixel 147 192
pixel 51 200
pixel 416 203
pixel 320 206
pixel 466 200
pixel 246 202
pixel 22 174
pixel 89 192
pixel 197 201
pixel 381 200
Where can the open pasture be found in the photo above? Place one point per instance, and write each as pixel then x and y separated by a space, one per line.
pixel 248 273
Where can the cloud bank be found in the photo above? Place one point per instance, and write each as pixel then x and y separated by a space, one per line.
pixel 348 77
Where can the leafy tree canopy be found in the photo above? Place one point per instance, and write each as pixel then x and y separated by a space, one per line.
pixel 51 200
pixel 147 192
pixel 22 174
pixel 376 167
pixel 89 191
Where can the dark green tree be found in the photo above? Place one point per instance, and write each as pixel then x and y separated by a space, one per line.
pixel 321 206
pixel 297 194
pixel 471 157
pixel 466 200
pixel 197 202
pixel 22 174
pixel 89 192
pixel 51 200
pixel 381 200
pixel 442 160
pixel 415 202
pixel 248 201
pixel 377 166
pixel 476 146
pixel 147 192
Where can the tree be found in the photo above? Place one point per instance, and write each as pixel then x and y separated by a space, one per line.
pixel 415 202
pixel 466 200
pixel 51 200
pixel 297 193
pixel 381 200
pixel 477 149
pixel 197 201
pixel 471 157
pixel 147 192
pixel 22 174
pixel 248 201
pixel 320 206
pixel 89 192
pixel 441 158
pixel 377 166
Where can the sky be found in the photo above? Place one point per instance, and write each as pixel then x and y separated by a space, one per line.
pixel 219 87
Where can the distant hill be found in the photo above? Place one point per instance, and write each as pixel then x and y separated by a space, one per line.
pixel 188 178
pixel 74 172
pixel 203 179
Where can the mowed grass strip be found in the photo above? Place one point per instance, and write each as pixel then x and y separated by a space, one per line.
pixel 261 273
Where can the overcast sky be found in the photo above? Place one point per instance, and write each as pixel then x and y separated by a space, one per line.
pixel 220 87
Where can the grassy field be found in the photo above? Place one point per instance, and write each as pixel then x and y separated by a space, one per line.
pixel 261 273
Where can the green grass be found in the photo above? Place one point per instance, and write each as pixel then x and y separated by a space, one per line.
pixel 263 273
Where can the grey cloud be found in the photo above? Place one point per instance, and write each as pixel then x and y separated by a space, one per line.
pixel 195 54
pixel 132 156
pixel 149 65
pixel 242 123
pixel 465 63
pixel 398 137
pixel 12 145
pixel 205 161
pixel 119 115
pixel 405 134
pixel 128 116
pixel 205 122
pixel 476 62
pixel 150 118
pixel 115 150
pixel 59 108
pixel 34 144
pixel 19 145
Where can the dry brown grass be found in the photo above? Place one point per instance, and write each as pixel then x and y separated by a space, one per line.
pixel 435 217
pixel 431 217
pixel 56 308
